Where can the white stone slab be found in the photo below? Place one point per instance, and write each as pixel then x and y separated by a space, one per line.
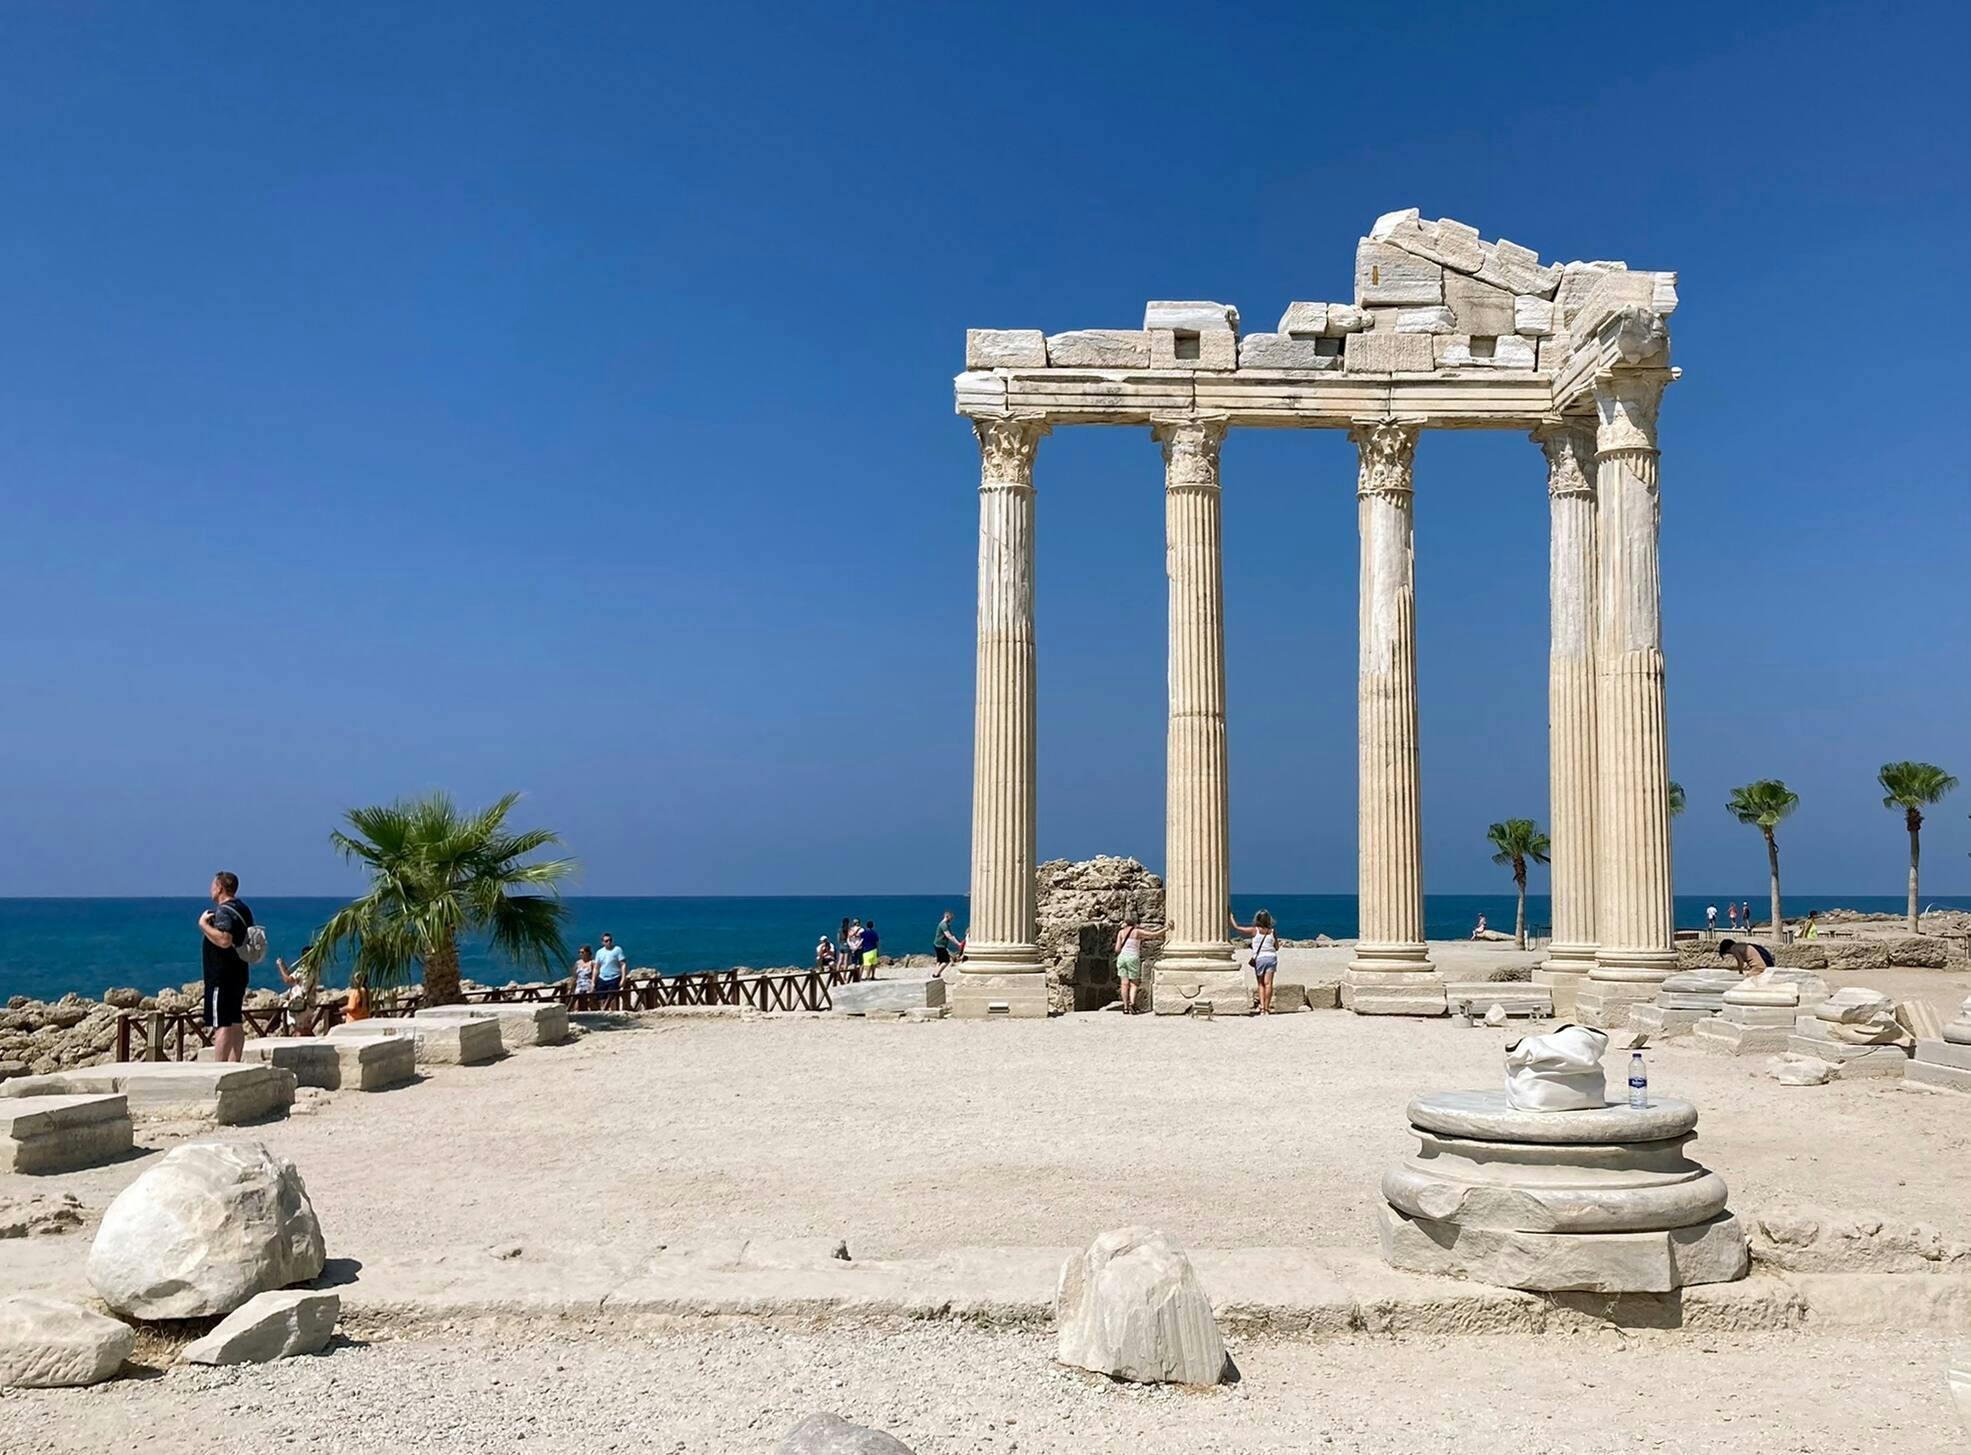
pixel 885 997
pixel 46 1343
pixel 439 1040
pixel 1390 275
pixel 1944 1053
pixel 274 1325
pixel 1380 352
pixel 1518 270
pixel 228 1093
pixel 1390 221
pixel 1488 1116
pixel 522 1022
pixel 1447 241
pixel 1190 316
pixel 338 1063
pixel 62 1133
pixel 1718 1034
pixel 1945 1078
pixel 1099 348
pixel 1532 317
pixel 1005 348
pixel 1305 318
pixel 1279 351
pixel 1479 308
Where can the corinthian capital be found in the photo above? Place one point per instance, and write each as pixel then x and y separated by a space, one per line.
pixel 1569 445
pixel 1190 450
pixel 1388 452
pixel 1006 449
pixel 1625 403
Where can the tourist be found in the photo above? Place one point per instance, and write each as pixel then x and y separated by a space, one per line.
pixel 824 954
pixel 1711 919
pixel 304 984
pixel 223 928
pixel 945 944
pixel 842 945
pixel 1745 917
pixel 1130 940
pixel 852 944
pixel 1478 930
pixel 1751 959
pixel 869 942
pixel 1266 953
pixel 1732 910
pixel 609 966
pixel 1810 930
pixel 584 978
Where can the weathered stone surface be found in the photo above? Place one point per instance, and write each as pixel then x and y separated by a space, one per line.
pixel 1944 1053
pixel 1919 952
pixel 46 1343
pixel 1930 1073
pixel 1447 241
pixel 1577 281
pixel 1488 1116
pixel 887 997
pixel 1856 1005
pixel 522 1023
pixel 1436 319
pixel 1808 1239
pixel 1207 349
pixel 1305 318
pixel 438 1040
pixel 1344 318
pixel 338 1063
pixel 62 1133
pixel 204 1230
pixel 828 1434
pixel 1099 348
pixel 1081 906
pixel 1389 222
pixel 1508 351
pixel 1792 1070
pixel 228 1094
pixel 270 1326
pixel 1280 351
pixel 1643 1262
pixel 1380 352
pixel 1131 1306
pixel 1479 308
pixel 1921 1019
pixel 1190 315
pixel 1005 348
pixel 40 1215
pixel 1532 317
pixel 1390 275
pixel 1516 269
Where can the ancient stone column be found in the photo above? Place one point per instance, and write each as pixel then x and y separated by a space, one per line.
pixel 1634 926
pixel 1196 970
pixel 1001 973
pixel 1572 567
pixel 1391 973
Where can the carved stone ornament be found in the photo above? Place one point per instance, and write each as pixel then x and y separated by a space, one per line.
pixel 1569 446
pixel 1190 450
pixel 1639 334
pixel 1626 401
pixel 1388 452
pixel 1006 449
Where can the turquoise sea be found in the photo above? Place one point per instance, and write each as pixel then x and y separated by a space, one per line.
pixel 49 947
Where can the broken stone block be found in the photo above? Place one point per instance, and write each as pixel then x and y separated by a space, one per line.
pixel 1509 351
pixel 1390 221
pixel 1343 318
pixel 1424 320
pixel 1131 1307
pixel 1480 308
pixel 62 1133
pixel 828 1434
pixel 1577 281
pixel 1857 1005
pixel 1517 270
pixel 1446 241
pixel 48 1344
pixel 1307 318
pixel 1194 316
pixel 1791 1070
pixel 270 1326
pixel 1532 317
pixel 1005 348
pixel 1099 348
pixel 1381 352
pixel 1281 351
pixel 1192 335
pixel 1552 353
pixel 1389 275
pixel 1612 294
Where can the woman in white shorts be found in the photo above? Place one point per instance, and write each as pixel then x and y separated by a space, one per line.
pixel 1265 954
pixel 1130 940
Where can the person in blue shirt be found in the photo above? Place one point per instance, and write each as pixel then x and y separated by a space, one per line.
pixel 609 965
pixel 869 943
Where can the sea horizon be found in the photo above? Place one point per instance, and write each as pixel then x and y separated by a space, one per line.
pixel 52 945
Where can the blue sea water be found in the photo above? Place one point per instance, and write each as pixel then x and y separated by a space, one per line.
pixel 49 947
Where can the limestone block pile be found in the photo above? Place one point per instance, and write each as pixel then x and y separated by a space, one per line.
pixel 1603 1198
pixel 1855 1031
pixel 1945 1061
pixel 1683 1000
pixel 1759 1013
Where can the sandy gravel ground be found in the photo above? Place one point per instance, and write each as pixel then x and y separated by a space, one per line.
pixel 906 1138
pixel 951 1391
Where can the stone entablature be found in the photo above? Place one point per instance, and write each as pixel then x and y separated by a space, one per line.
pixel 1446 331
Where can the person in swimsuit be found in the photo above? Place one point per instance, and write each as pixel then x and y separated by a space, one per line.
pixel 1130 940
pixel 1751 959
pixel 1265 954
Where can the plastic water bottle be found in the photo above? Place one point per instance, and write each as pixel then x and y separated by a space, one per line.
pixel 1638 1082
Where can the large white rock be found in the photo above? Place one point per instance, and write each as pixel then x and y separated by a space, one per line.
pixel 203 1231
pixel 1791 1070
pixel 270 1326
pixel 1131 1306
pixel 826 1434
pixel 45 1343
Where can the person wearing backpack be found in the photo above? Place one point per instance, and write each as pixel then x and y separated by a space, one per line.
pixel 229 950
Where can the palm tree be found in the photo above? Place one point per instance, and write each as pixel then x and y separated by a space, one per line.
pixel 1676 798
pixel 1765 802
pixel 1517 840
pixel 434 875
pixel 1912 787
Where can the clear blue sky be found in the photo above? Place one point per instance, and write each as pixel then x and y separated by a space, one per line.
pixel 559 398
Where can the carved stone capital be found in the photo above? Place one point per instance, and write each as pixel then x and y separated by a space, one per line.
pixel 1006 449
pixel 1639 334
pixel 1625 404
pixel 1569 445
pixel 1190 450
pixel 1387 449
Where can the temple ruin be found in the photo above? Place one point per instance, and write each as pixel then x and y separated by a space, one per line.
pixel 1446 331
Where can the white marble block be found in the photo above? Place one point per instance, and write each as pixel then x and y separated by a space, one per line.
pixel 521 1022
pixel 1437 319
pixel 1479 308
pixel 1281 351
pixel 62 1133
pixel 1099 348
pixel 1518 270
pixel 1453 244
pixel 1389 275
pixel 1532 317
pixel 1192 334
pixel 1378 352
pixel 338 1063
pixel 228 1093
pixel 46 1343
pixel 438 1040
pixel 1005 348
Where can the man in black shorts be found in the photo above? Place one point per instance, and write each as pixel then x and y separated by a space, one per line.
pixel 223 927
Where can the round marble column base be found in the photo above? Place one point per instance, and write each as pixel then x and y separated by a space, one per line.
pixel 1713 1251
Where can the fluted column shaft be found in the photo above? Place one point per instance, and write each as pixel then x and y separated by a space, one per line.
pixel 1573 568
pixel 1003 939
pixel 1632 905
pixel 1391 970
pixel 1197 838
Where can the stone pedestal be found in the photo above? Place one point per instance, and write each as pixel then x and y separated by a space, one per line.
pixel 1001 973
pixel 1812 1036
pixel 1605 1200
pixel 1747 1030
pixel 1945 1064
pixel 1391 973
pixel 1682 1001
